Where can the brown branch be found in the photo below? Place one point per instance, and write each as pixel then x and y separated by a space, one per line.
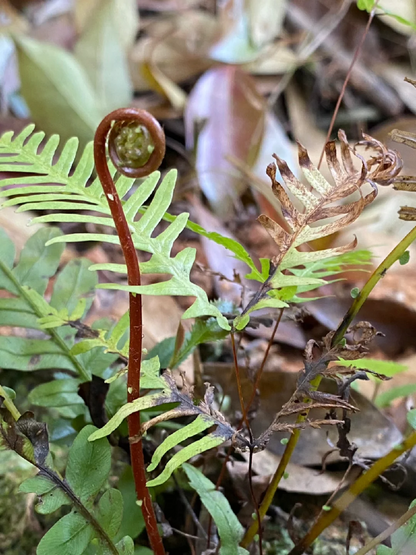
pixel 155 146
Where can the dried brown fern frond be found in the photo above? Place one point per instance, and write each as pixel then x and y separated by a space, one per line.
pixel 405 182
pixel 319 202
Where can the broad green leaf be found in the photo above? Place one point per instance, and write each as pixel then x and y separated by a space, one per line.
pixel 208 442
pixel 197 426
pixel 132 523
pixel 229 528
pixel 88 465
pixel 73 282
pixel 386 367
pixel 16 312
pixel 109 511
pixel 57 90
pixel 69 536
pixel 59 393
pixel 50 495
pixel 385 398
pixel 18 353
pixel 37 263
pixel 101 53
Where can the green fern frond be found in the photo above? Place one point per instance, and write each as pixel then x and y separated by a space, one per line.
pixel 71 297
pixel 73 194
pixel 167 392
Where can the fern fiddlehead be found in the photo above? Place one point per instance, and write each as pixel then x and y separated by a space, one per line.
pixel 136 144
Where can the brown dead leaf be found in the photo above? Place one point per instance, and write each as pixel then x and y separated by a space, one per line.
pixel 300 479
pixel 177 45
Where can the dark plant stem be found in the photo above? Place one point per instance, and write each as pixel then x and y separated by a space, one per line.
pixel 135 303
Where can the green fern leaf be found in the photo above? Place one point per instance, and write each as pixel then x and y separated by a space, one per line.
pixel 74 195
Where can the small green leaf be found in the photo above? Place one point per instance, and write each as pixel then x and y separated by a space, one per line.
pixel 284 441
pixel 326 508
pixel 203 331
pixel 59 393
pixel 51 496
pixel 366 5
pixel 126 546
pixel 138 405
pixel 19 353
pixel 229 528
pixel 404 259
pixel 69 536
pixel 386 367
pixel 110 511
pixel 88 465
pixel 10 392
pixel 355 292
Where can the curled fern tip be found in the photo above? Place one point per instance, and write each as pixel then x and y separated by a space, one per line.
pixel 136 141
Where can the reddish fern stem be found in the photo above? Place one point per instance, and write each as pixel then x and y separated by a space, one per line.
pixel 136 324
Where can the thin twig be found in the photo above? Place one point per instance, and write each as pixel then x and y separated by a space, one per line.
pixel 247 423
pixel 346 80
pixel 366 479
pixel 388 531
